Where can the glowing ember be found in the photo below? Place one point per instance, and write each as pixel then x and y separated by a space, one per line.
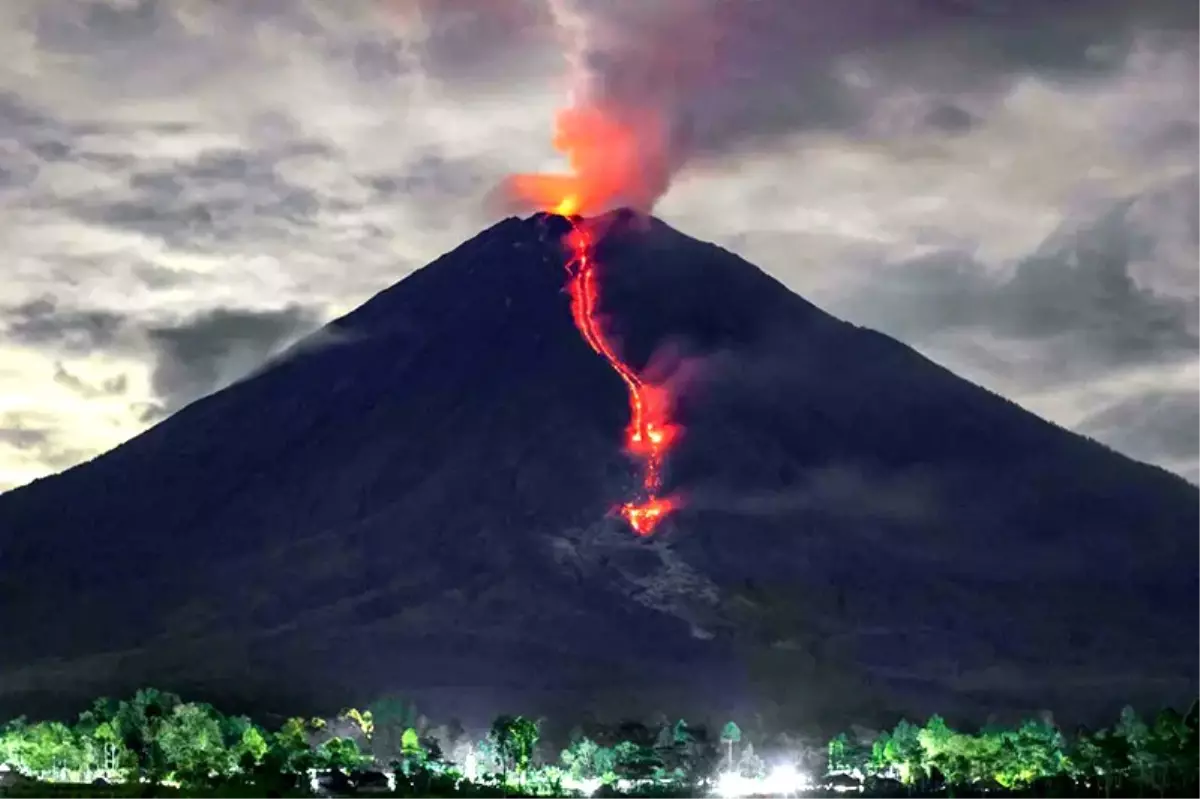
pixel 650 431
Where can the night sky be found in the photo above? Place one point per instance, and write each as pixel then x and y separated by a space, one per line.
pixel 187 186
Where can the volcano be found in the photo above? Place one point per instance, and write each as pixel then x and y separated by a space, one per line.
pixel 419 501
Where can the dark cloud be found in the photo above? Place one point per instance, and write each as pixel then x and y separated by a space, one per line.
pixel 204 353
pixel 729 71
pixel 1076 297
pixel 43 323
pixel 1159 426
pixel 191 357
pixel 949 118
pixel 668 82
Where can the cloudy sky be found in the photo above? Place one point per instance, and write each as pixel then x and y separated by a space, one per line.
pixel 186 186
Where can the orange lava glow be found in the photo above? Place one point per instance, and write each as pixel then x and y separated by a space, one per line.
pixel 615 157
pixel 611 161
pixel 650 432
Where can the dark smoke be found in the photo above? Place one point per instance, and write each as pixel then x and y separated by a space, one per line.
pixel 734 75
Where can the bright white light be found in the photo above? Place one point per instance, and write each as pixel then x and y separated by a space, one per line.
pixel 587 787
pixel 782 780
pixel 785 779
pixel 731 785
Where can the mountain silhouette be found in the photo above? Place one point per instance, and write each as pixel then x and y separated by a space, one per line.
pixel 418 501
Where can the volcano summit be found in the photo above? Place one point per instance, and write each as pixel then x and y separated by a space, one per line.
pixel 424 505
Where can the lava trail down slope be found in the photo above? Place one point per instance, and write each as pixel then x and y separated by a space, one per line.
pixel 650 432
pixel 419 501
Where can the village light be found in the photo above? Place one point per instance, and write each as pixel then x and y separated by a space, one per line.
pixel 785 779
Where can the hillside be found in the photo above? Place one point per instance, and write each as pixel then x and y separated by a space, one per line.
pixel 420 503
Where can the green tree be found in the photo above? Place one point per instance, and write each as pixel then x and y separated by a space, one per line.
pixel 413 754
pixel 192 744
pixel 847 755
pixel 1135 735
pixel 13 744
pixel 1169 753
pixel 1189 763
pixel 635 760
pixel 1101 757
pixel 410 743
pixel 906 752
pixel 289 748
pixel 883 754
pixel 341 754
pixel 139 722
pixel 1043 749
pixel 110 752
pixel 251 747
pixel 585 759
pixel 99 729
pixel 51 750
pixel 836 761
pixel 514 739
pixel 390 718
pixel 364 720
pixel 679 750
pixel 941 749
pixel 730 734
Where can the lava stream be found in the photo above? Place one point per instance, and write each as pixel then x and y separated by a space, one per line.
pixel 650 431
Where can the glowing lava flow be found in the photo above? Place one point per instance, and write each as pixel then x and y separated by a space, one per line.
pixel 650 431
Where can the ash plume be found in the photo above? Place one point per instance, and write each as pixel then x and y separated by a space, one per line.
pixel 657 86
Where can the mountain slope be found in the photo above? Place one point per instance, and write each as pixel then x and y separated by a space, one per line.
pixel 423 505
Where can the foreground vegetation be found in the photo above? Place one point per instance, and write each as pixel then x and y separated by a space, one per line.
pixel 1134 757
pixel 157 744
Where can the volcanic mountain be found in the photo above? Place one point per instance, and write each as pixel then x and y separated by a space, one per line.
pixel 420 501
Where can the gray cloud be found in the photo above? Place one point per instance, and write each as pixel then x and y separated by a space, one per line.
pixel 221 196
pixel 1158 426
pixel 190 357
pixel 468 44
pixel 206 352
pixel 728 76
pixel 43 322
pixel 1076 298
pixel 14 433
pixel 109 387
pixel 37 436
pixel 713 79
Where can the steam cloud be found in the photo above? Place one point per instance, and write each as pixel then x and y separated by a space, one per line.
pixel 662 84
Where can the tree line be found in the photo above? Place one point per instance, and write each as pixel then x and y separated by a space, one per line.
pixel 155 743
pixel 1134 757
pixel 156 737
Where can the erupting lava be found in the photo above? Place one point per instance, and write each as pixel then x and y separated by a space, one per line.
pixel 615 157
pixel 650 431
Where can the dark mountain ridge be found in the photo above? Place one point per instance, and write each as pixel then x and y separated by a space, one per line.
pixel 422 505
